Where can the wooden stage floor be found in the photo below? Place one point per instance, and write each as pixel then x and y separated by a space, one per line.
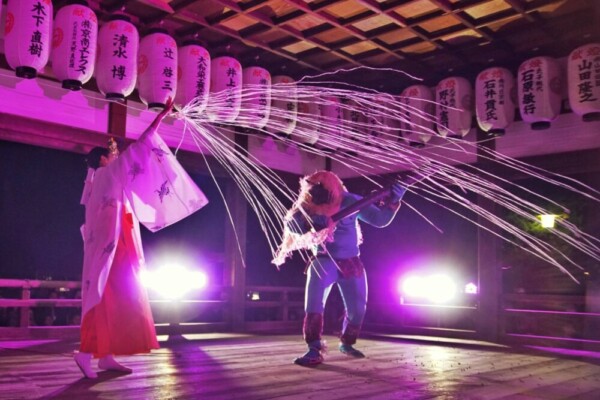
pixel 247 367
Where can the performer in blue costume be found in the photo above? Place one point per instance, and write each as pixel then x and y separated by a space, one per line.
pixel 337 260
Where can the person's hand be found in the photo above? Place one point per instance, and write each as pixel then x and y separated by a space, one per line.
pixel 397 192
pixel 168 108
pixel 161 115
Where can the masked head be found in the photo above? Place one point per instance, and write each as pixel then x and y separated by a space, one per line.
pixel 321 193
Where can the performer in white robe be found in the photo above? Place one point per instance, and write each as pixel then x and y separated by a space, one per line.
pixel 144 184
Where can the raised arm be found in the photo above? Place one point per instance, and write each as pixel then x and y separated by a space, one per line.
pixel 156 123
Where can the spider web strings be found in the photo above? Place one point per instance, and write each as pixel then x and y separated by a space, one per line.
pixel 359 129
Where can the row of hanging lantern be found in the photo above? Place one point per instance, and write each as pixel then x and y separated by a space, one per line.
pixel 120 62
pixel 537 91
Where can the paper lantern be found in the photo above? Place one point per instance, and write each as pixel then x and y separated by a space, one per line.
pixel 374 122
pixel 539 87
pixel 494 104
pixel 256 98
pixel 355 120
pixel 116 60
pixel 454 97
pixel 309 117
pixel 332 121
pixel 584 81
pixel 157 68
pixel 193 75
pixel 390 129
pixel 74 45
pixel 225 89
pixel 417 115
pixel 27 35
pixel 284 105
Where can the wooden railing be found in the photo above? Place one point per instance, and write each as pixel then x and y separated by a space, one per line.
pixel 542 320
pixel 523 319
pixel 271 309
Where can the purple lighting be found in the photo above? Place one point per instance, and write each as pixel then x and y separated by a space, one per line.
pixel 471 288
pixel 436 288
pixel 173 281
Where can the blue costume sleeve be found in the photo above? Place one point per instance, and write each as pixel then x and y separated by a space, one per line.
pixel 300 224
pixel 379 216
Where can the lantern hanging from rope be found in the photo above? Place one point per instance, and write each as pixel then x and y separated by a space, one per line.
pixel 225 89
pixel 284 105
pixel 391 122
pixel 354 117
pixel 418 115
pixel 539 89
pixel 27 36
pixel 332 118
pixel 157 68
pixel 308 125
pixel 584 81
pixel 193 75
pixel 494 105
pixel 116 60
pixel 74 40
pixel 454 97
pixel 256 98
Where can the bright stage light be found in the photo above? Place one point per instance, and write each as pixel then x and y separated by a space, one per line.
pixel 547 220
pixel 436 288
pixel 173 281
pixel 471 288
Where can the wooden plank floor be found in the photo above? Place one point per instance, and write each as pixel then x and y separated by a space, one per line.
pixel 260 367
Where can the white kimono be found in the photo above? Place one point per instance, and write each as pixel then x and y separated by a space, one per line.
pixel 148 181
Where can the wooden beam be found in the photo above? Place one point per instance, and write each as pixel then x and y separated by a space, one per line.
pixel 19 129
pixel 117 119
pixel 488 268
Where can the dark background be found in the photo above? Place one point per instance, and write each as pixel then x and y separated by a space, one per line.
pixel 40 217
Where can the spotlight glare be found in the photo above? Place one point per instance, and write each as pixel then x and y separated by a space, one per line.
pixel 173 281
pixel 441 289
pixel 434 288
pixel 547 220
pixel 413 286
pixel 471 288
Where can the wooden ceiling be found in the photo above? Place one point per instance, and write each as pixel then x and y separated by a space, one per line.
pixel 432 39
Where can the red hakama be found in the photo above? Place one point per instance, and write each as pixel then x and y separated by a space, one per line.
pixel 122 323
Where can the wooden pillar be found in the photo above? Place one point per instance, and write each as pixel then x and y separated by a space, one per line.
pixel 488 266
pixel 25 311
pixel 235 250
pixel 591 225
pixel 117 119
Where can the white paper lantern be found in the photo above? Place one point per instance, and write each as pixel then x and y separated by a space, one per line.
pixel 374 123
pixel 256 98
pixel 332 120
pixel 418 115
pixel 74 45
pixel 355 120
pixel 116 60
pixel 539 87
pixel 27 35
pixel 390 130
pixel 309 120
pixel 193 75
pixel 157 68
pixel 494 105
pixel 584 81
pixel 225 89
pixel 284 105
pixel 454 97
